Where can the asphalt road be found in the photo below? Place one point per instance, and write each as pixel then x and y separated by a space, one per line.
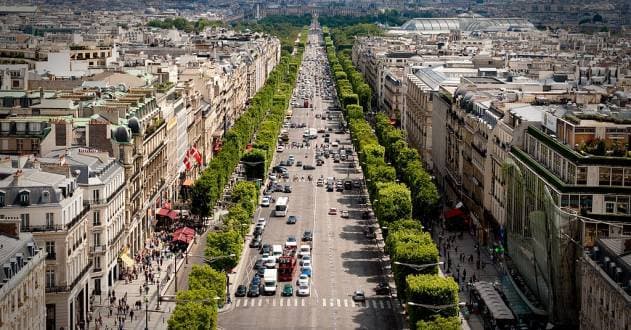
pixel 344 260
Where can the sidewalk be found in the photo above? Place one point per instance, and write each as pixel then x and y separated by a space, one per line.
pixel 487 271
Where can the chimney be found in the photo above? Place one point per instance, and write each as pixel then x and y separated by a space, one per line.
pixel 17 178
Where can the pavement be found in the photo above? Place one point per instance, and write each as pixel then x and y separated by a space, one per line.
pixel 344 260
pixel 487 272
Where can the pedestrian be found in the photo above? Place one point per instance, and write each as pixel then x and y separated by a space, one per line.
pixel 110 311
pixel 464 273
pixel 131 315
pixel 456 248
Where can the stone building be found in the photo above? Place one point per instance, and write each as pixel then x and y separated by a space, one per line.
pixel 22 291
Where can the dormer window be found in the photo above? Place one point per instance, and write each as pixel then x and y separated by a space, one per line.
pixel 45 197
pixel 24 197
pixel 2 200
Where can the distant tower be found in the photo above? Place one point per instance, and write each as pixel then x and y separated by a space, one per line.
pixel 258 11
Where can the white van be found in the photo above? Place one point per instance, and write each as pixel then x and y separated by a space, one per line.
pixel 277 250
pixel 305 250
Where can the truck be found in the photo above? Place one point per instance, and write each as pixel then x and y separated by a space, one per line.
pixel 269 281
pixel 287 264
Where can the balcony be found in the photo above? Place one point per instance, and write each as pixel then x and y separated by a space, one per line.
pixel 78 217
pixel 66 288
pixel 97 249
pixel 42 228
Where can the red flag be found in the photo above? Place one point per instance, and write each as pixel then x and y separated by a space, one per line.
pixel 187 161
pixel 198 156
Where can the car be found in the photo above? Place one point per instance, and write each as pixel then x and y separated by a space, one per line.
pixel 262 222
pixel 242 290
pixel 320 182
pixel 272 177
pixel 266 248
pixel 256 280
pixel 270 262
pixel 359 295
pixel 287 189
pixel 306 270
pixel 254 290
pixel 255 242
pixel 257 231
pixel 292 219
pixel 265 201
pixel 319 162
pixel 288 290
pixel 339 188
pixel 304 290
pixel 357 184
pixel 280 148
pixel 260 271
pixel 308 167
pixel 302 279
pixel 304 259
pixel 344 214
pixel 291 241
pixel 258 263
pixel 279 169
pixel 307 236
pixel 330 187
pixel 348 184
pixel 333 211
pixel 291 158
pixel 299 163
pixel 304 250
pixel 383 288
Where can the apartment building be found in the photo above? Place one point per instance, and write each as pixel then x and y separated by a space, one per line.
pixel 51 207
pixel 22 291
pixel 103 183
pixel 605 285
pixel 566 189
pixel 14 77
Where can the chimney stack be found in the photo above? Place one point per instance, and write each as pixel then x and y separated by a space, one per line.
pixel 17 178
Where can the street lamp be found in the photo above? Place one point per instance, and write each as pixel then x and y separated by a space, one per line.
pixel 435 308
pixel 416 267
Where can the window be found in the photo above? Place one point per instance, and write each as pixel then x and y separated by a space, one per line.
pixel 610 204
pixel 50 250
pixel 45 197
pixel 24 197
pixel 97 262
pixel 96 218
pixel 616 176
pixel 95 195
pixel 604 176
pixel 2 199
pixel 622 205
pixel 25 220
pixel 97 239
pixel 50 219
pixel 581 175
pixel 19 144
pixel 50 278
pixel 34 144
pixel 627 177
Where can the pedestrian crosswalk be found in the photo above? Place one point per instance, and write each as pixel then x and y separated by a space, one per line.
pixel 298 302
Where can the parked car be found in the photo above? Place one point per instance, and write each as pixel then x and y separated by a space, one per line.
pixel 255 242
pixel 382 288
pixel 307 236
pixel 265 202
pixel 359 295
pixel 308 167
pixel 292 219
pixel 288 290
pixel 333 211
pixel 280 148
pixel 287 189
pixel 254 290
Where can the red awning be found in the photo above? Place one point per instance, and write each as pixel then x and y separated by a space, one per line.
pixel 184 235
pixel 454 213
pixel 164 212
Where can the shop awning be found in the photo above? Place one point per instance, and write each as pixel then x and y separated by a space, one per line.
pixel 454 213
pixel 184 234
pixel 126 260
pixel 167 213
pixel 188 182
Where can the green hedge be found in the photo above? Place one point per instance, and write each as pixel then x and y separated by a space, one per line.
pixel 440 323
pixel 431 290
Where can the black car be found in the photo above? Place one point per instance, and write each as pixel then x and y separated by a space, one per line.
pixel 348 184
pixel 259 263
pixel 292 219
pixel 287 189
pixel 256 242
pixel 382 288
pixel 254 290
pixel 307 235
pixel 279 169
pixel 242 290
pixel 261 271
pixel 258 231
pixel 339 188
pixel 308 167
pixel 329 187
pixel 266 248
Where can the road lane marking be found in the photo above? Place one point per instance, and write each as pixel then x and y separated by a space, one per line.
pixel 374 304
pixel 323 302
pixel 274 302
pixel 238 302
pixel 281 302
pixel 260 302
pixel 338 303
pixel 331 302
pixel 388 304
pixel 345 303
pixel 302 302
pixel 296 302
pixel 245 303
pixel 380 303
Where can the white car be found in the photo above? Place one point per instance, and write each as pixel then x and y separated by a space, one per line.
pixel 265 201
pixel 280 149
pixel 304 290
pixel 272 177
pixel 270 262
pixel 261 223
pixel 305 250
pixel 302 280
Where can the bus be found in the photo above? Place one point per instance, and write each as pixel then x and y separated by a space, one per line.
pixel 281 206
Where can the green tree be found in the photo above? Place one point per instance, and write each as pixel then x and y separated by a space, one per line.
pixel 255 163
pixel 440 323
pixel 203 277
pixel 394 202
pixel 195 309
pixel 431 290
pixel 223 243
pixel 245 194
